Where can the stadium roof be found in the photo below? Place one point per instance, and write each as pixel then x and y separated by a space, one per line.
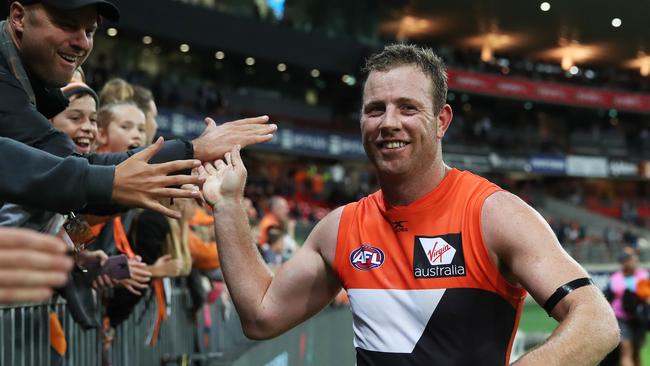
pixel 582 29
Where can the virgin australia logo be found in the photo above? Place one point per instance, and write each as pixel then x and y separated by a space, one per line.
pixel 438 256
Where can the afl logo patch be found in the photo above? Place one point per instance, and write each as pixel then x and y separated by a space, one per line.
pixel 366 258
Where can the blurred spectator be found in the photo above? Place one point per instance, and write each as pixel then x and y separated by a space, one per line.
pixel 277 215
pixel 622 290
pixel 273 250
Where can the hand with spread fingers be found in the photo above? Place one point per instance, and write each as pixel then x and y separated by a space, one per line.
pixel 140 184
pixel 224 180
pixel 217 140
pixel 31 265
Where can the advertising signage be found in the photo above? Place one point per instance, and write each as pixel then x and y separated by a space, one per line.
pixel 286 139
pixel 548 164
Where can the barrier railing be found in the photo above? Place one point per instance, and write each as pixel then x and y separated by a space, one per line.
pixel 25 341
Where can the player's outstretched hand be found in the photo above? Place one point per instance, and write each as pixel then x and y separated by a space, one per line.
pixel 224 179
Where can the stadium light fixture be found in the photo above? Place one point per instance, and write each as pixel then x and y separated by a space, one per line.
pixel 545 6
pixel 642 62
pixel 219 55
pixel 184 47
pixel 282 67
pixel 571 52
pixel 147 39
pixel 616 22
pixel 411 26
pixel 250 61
pixel 315 73
pixel 493 40
pixel 112 32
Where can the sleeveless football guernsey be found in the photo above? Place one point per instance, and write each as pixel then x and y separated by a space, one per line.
pixel 422 287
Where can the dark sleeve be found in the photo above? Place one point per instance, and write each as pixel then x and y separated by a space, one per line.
pixel 35 178
pixel 20 121
pixel 148 234
pixel 170 151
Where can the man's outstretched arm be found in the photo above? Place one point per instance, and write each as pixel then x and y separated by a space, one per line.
pixel 525 245
pixel 267 305
pixel 38 179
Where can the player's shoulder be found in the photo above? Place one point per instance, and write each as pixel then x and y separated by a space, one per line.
pixel 467 179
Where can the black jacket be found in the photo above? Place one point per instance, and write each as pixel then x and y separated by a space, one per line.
pixel 83 183
pixel 66 184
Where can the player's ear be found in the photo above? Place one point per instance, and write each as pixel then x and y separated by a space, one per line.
pixel 444 120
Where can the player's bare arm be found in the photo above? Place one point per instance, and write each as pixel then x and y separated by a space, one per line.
pixel 267 305
pixel 523 244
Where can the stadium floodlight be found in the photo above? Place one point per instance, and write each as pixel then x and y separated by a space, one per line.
pixel 545 6
pixel 184 47
pixel 147 39
pixel 219 55
pixel 282 67
pixel 250 61
pixel 315 73
pixel 112 32
pixel 616 22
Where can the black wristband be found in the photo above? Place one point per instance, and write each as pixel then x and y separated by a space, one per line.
pixel 564 290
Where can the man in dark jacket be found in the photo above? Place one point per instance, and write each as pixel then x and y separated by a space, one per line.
pixel 42 42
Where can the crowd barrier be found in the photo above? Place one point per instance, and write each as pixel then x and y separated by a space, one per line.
pixel 185 339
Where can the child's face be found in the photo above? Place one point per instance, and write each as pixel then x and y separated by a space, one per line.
pixel 79 121
pixel 125 131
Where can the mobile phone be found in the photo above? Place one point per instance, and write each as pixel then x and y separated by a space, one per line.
pixel 117 267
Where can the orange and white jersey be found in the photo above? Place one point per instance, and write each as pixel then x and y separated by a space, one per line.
pixel 422 286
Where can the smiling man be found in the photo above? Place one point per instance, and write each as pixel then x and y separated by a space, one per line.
pixel 55 37
pixel 446 285
pixel 42 43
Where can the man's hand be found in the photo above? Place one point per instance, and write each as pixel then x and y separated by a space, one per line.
pixel 224 180
pixel 31 264
pixel 215 140
pixel 140 184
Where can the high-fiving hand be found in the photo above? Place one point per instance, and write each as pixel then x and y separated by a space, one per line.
pixel 217 140
pixel 140 184
pixel 224 180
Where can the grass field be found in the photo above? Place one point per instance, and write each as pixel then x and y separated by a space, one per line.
pixel 534 319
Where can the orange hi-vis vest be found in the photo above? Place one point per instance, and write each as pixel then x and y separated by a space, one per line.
pixel 422 285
